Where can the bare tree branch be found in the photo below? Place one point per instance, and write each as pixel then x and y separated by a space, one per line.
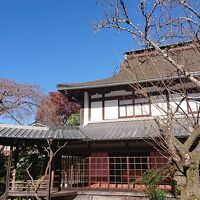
pixel 18 101
pixel 37 184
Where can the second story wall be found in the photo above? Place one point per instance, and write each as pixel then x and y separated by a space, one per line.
pixel 125 105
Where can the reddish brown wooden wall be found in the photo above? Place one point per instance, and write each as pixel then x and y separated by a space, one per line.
pixel 98 167
pixel 156 160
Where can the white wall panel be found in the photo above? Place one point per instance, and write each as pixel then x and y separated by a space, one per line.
pixel 177 104
pixel 122 111
pixel 111 109
pixel 193 103
pixel 138 110
pixel 96 111
pixel 158 105
pixel 130 110
pixel 145 109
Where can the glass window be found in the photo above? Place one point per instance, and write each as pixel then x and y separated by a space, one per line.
pixel 126 108
pixel 142 107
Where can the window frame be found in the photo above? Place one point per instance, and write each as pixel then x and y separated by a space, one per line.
pixel 126 107
pixel 141 104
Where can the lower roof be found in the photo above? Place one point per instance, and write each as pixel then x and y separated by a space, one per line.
pixel 120 130
pixel 131 130
pixel 40 133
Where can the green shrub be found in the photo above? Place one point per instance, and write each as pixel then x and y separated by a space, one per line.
pixel 151 180
pixel 74 119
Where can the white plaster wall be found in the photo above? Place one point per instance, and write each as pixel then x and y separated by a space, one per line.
pixel 111 109
pixel 96 111
pixel 194 105
pixel 130 110
pixel 158 105
pixel 122 111
pixel 176 104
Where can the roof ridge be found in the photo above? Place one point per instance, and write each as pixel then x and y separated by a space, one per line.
pixel 23 127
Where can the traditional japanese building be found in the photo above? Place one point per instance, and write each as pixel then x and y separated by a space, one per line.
pixel 114 144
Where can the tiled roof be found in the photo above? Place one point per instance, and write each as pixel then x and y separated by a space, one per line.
pixel 127 130
pixel 120 130
pixel 33 132
pixel 142 69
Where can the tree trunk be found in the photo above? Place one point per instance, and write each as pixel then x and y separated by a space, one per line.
pixel 188 185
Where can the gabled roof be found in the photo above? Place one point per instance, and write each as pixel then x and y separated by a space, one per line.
pixel 144 67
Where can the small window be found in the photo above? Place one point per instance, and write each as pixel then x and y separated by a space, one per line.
pixel 142 107
pixel 126 108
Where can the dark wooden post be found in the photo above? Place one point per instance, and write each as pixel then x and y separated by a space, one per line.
pixel 50 168
pixel 15 166
pixel 128 171
pixel 49 183
pixel 8 172
pixel 60 172
pixel 89 171
pixel 52 175
pixel 108 171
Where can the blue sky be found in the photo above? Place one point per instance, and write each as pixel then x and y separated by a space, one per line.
pixel 47 42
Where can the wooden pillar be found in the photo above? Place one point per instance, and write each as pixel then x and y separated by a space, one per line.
pixel 8 172
pixel 108 171
pixel 53 169
pixel 15 166
pixel 128 171
pixel 50 169
pixel 89 171
pixel 49 183
pixel 52 177
pixel 13 179
pixel 60 173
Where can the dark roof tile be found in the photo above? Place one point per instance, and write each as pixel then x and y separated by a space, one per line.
pixel 128 130
pixel 118 130
pixel 32 132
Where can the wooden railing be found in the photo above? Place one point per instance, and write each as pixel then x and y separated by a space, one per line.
pixel 27 185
